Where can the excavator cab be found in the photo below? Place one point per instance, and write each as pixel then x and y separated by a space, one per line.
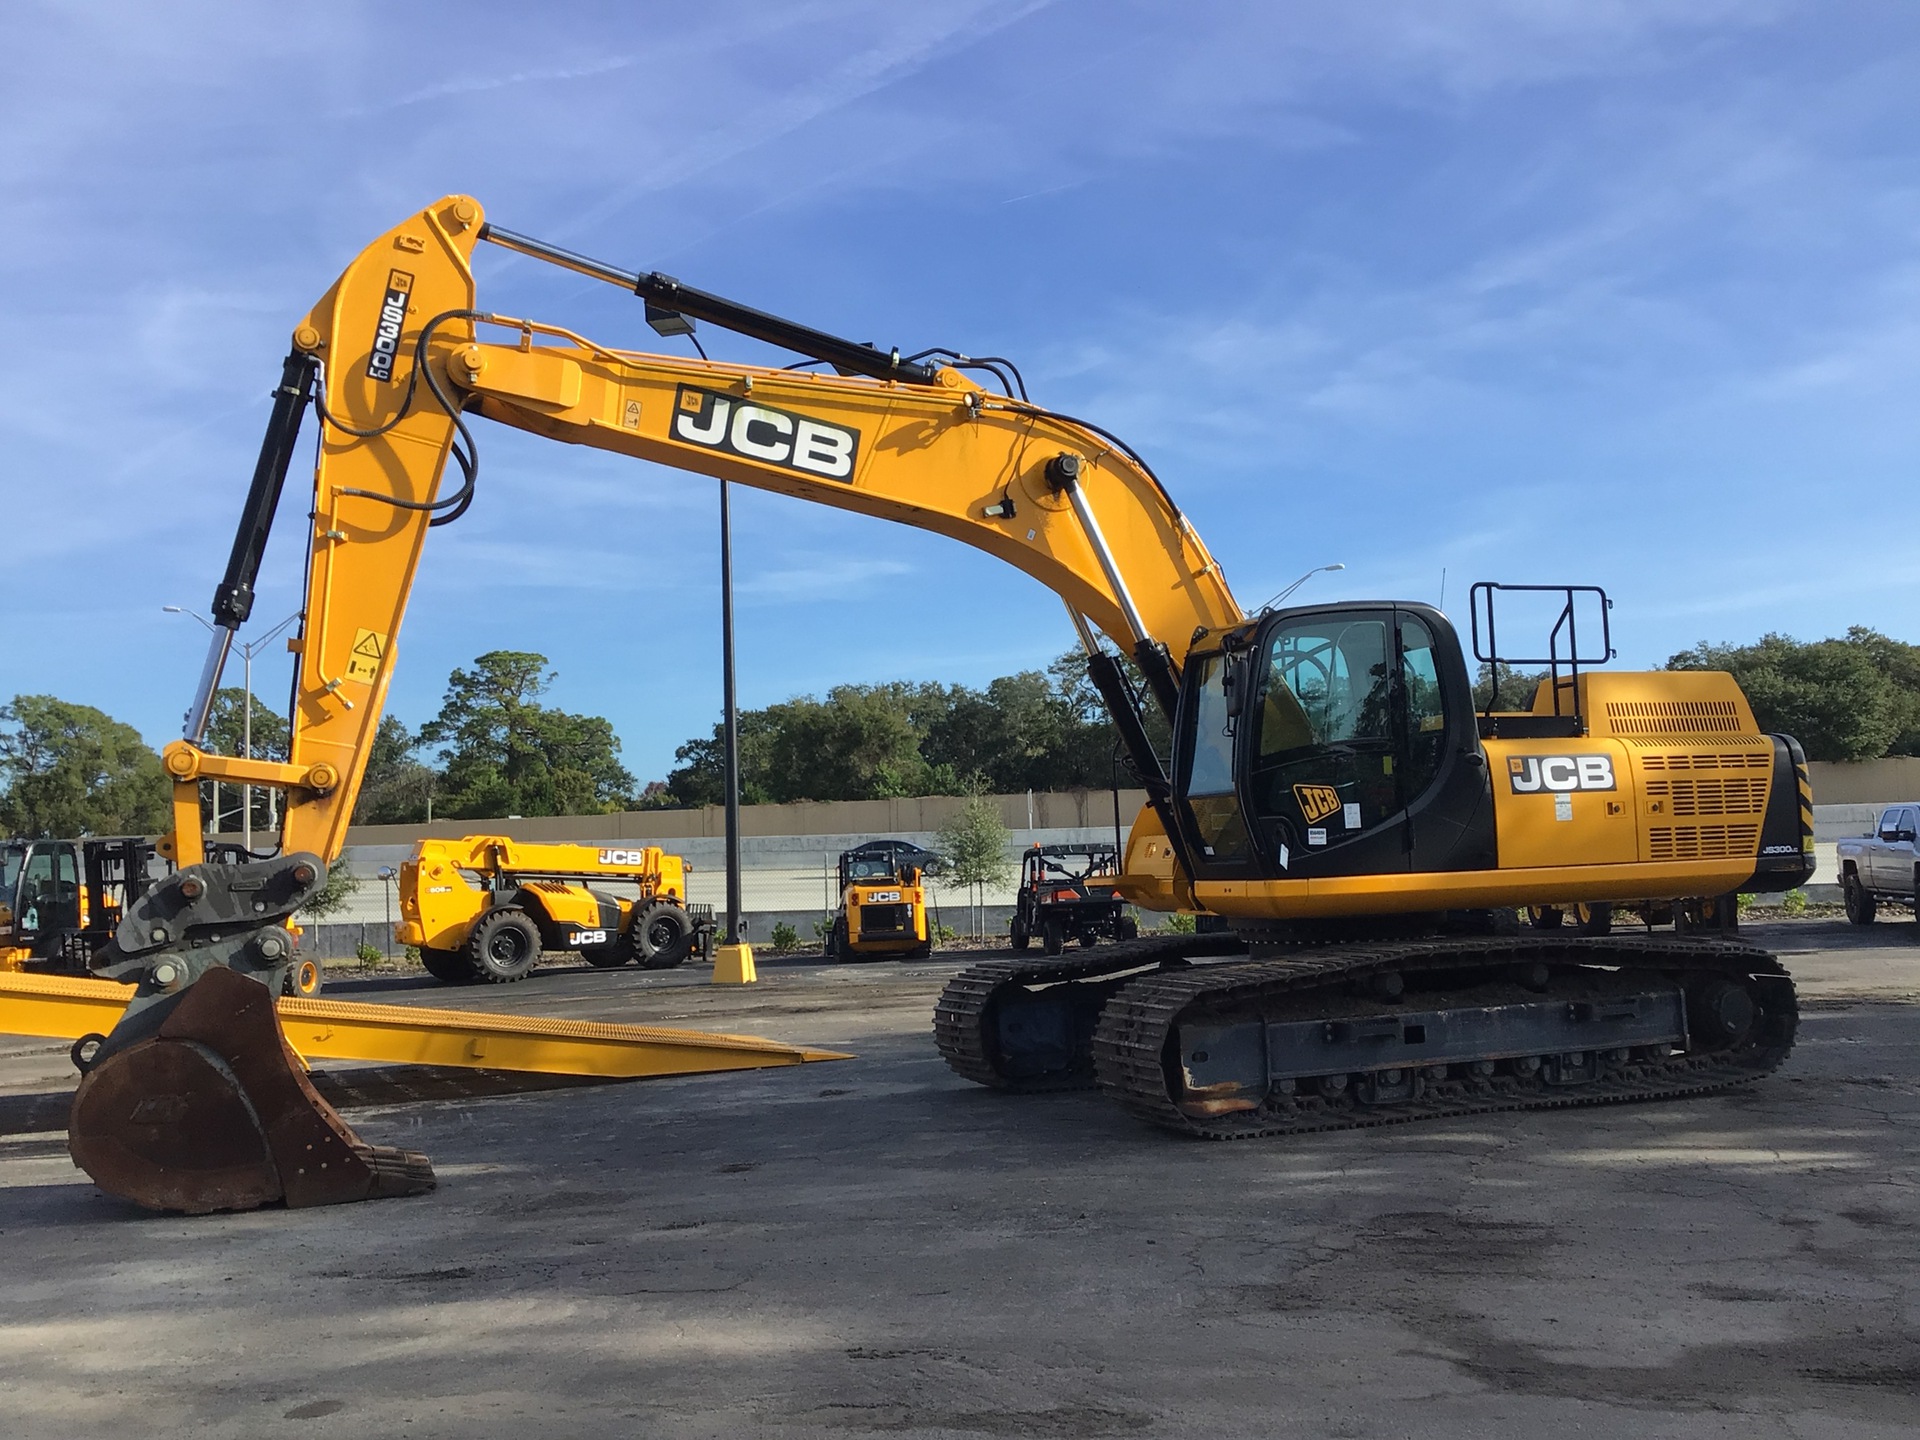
pixel 1332 740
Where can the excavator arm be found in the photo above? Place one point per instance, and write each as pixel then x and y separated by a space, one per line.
pixel 395 355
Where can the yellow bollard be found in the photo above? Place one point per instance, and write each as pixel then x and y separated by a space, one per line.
pixel 733 965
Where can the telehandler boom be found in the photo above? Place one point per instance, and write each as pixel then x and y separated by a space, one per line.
pixel 1330 778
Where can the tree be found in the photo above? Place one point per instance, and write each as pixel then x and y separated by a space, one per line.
pixel 1516 686
pixel 507 754
pixel 72 770
pixel 974 844
pixel 1854 698
pixel 397 788
pixel 342 885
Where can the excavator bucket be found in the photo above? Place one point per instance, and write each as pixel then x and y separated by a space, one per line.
pixel 214 1111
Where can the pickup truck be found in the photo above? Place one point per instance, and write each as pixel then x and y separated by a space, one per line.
pixel 1883 866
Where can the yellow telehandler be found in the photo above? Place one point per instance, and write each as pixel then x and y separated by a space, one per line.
pixel 486 907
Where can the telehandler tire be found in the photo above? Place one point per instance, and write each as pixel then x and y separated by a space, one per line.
pixel 607 957
pixel 1594 917
pixel 450 967
pixel 304 979
pixel 504 946
pixel 663 936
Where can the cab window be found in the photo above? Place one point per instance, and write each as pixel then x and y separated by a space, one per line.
pixel 1426 714
pixel 1323 752
pixel 1208 744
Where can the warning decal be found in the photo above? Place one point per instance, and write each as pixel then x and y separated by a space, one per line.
pixel 369 649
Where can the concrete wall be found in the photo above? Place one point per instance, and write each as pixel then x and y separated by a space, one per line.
pixel 1892 781
pixel 1041 810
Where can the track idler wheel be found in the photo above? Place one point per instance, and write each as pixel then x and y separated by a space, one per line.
pixel 213 1111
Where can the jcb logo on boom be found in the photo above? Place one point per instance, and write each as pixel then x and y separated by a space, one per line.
pixel 759 432
pixel 623 857
pixel 393 318
pixel 1558 774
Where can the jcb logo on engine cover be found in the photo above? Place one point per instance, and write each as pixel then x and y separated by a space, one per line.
pixel 759 432
pixel 586 937
pixel 1316 801
pixel 393 318
pixel 1558 774
pixel 623 857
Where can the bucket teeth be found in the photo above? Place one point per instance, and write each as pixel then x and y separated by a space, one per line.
pixel 214 1112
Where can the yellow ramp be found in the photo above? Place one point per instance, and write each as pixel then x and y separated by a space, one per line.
pixel 66 1007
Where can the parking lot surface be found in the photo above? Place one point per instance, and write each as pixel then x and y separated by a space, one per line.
pixel 875 1248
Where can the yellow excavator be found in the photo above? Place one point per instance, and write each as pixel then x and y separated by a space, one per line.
pixel 486 907
pixel 1329 778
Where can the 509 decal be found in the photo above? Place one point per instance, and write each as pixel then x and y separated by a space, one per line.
pixel 1559 774
pixel 759 432
pixel 393 318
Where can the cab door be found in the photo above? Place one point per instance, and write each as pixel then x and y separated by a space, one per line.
pixel 1358 749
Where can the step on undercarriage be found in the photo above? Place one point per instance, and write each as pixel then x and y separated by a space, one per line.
pixel 1189 1034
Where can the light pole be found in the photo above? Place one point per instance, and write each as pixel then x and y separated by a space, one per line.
pixel 1297 584
pixel 246 723
pixel 386 885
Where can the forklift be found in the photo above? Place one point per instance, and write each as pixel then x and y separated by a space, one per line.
pixel 61 899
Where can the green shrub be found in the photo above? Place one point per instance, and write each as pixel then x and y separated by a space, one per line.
pixel 1181 923
pixel 785 938
pixel 1794 902
pixel 942 934
pixel 368 954
pixel 413 955
pixel 822 927
pixel 1743 902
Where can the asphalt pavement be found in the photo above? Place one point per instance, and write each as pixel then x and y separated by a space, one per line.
pixel 873 1247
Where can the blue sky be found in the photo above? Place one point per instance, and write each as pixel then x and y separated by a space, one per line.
pixel 1552 290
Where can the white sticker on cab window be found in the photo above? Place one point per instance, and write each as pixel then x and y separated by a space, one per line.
pixel 1351 815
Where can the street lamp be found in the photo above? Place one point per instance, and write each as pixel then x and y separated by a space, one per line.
pixel 1297 584
pixel 386 873
pixel 246 724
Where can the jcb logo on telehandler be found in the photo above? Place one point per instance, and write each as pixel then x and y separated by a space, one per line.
pixel 1558 774
pixel 393 318
pixel 1316 801
pixel 759 432
pixel 623 857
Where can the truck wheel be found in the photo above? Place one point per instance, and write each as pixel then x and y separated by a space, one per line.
pixel 1020 938
pixel 451 967
pixel 1859 899
pixel 504 947
pixel 1546 917
pixel 303 979
pixel 1594 918
pixel 665 935
pixel 1054 937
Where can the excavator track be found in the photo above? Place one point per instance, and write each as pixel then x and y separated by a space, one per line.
pixel 991 1015
pixel 1133 1062
pixel 1377 995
